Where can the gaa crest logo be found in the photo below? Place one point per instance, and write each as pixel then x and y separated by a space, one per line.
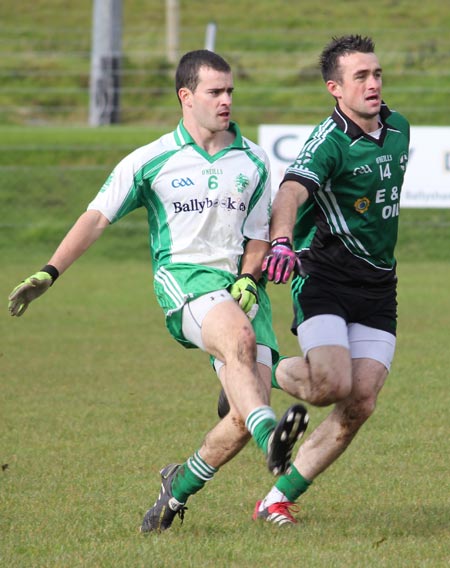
pixel 362 204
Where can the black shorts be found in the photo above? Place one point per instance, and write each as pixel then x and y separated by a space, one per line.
pixel 313 297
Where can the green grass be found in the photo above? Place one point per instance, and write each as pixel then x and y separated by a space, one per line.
pixel 96 397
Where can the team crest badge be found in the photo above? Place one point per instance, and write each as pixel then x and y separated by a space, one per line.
pixel 403 161
pixel 362 204
pixel 241 183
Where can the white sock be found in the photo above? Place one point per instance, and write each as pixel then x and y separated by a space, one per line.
pixel 274 496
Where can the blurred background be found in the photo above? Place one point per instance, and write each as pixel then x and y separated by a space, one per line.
pixel 272 45
pixel 84 83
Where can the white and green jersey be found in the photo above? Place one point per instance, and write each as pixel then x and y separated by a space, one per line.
pixel 201 209
pixel 355 182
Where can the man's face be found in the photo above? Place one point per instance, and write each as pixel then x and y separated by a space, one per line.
pixel 358 89
pixel 210 105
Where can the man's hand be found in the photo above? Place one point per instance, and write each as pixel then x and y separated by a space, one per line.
pixel 244 291
pixel 27 291
pixel 280 261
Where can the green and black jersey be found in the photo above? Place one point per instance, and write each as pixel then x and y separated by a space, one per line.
pixel 347 230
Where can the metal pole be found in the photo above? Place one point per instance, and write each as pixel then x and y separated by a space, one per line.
pixel 106 57
pixel 210 37
pixel 172 30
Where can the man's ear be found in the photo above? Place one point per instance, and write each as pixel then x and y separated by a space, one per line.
pixel 184 95
pixel 334 89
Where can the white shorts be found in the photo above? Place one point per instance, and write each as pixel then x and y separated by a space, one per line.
pixel 362 341
pixel 194 313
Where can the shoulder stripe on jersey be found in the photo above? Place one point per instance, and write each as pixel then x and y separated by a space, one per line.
pixel 153 166
pixel 148 171
pixel 310 147
pixel 320 136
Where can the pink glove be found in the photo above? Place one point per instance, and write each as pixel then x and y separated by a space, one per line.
pixel 280 261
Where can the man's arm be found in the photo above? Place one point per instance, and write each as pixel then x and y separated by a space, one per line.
pixel 87 229
pixel 253 256
pixel 89 226
pixel 290 196
pixel 281 259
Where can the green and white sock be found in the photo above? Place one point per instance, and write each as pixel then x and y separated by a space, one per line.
pixel 191 477
pixel 261 423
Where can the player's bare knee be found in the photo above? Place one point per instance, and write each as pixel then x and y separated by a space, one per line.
pixel 342 388
pixel 358 411
pixel 329 386
pixel 366 407
pixel 246 344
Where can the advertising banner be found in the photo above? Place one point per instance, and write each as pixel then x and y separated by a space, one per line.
pixel 427 180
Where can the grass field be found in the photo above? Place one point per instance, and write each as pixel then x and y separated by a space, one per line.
pixel 96 398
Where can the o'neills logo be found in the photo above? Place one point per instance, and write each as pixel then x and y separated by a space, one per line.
pixel 199 205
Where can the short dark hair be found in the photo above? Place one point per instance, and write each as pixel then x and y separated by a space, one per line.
pixel 189 66
pixel 338 46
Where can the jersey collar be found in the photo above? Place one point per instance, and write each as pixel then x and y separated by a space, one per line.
pixel 350 128
pixel 183 138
